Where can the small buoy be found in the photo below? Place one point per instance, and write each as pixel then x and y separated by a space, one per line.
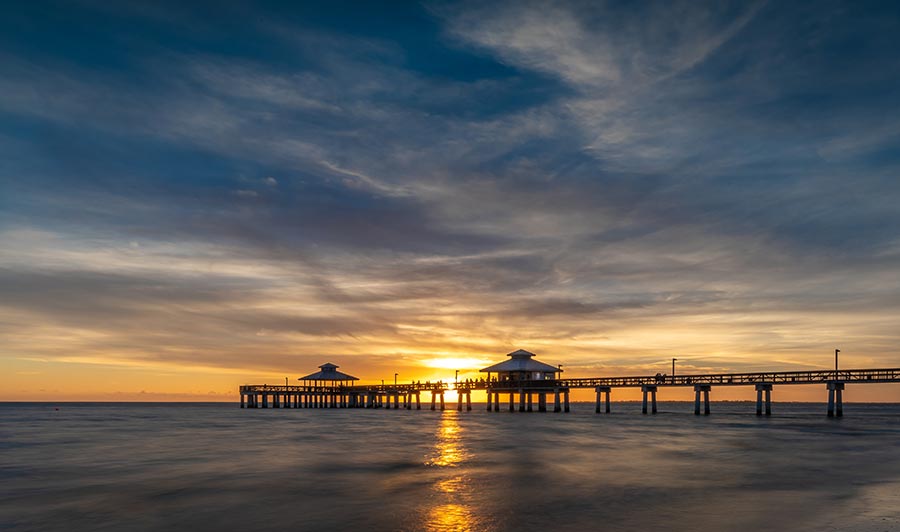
pixel 56 408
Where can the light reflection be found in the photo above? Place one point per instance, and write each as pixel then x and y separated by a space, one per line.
pixel 450 452
pixel 448 517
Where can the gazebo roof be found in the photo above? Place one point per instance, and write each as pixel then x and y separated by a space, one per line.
pixel 520 360
pixel 328 372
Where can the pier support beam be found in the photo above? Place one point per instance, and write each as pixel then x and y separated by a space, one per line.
pixel 651 389
pixel 601 391
pixel 556 405
pixel 565 400
pixel 521 400
pixel 496 402
pixel 542 402
pixel 835 399
pixel 459 401
pixel 442 401
pixel 490 403
pixel 512 402
pixel 468 401
pixel 530 403
pixel 243 398
pixel 704 388
pixel 760 389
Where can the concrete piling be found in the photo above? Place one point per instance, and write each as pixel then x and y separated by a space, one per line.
pixel 698 389
pixel 835 398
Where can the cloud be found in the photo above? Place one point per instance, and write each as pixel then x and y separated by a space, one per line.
pixel 612 182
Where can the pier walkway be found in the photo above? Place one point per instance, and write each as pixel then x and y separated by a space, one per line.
pixel 521 393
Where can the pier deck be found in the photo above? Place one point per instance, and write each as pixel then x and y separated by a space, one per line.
pixel 382 395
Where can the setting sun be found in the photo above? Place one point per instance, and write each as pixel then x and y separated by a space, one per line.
pixel 458 363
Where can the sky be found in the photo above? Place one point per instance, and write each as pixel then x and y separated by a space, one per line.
pixel 199 195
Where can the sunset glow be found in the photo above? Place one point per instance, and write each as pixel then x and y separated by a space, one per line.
pixel 424 197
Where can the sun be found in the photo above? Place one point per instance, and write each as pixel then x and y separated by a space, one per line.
pixel 466 364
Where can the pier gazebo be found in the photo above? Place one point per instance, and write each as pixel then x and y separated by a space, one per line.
pixel 328 373
pixel 324 387
pixel 522 367
pixel 523 375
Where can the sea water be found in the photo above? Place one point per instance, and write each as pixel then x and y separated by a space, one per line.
pixel 105 466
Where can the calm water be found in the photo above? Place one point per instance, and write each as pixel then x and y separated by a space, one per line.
pixel 216 467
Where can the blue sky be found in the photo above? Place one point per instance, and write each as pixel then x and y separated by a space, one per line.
pixel 244 187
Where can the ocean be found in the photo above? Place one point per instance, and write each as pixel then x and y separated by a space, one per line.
pixel 138 466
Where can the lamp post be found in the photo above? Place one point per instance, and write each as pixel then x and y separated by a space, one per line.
pixel 456 377
pixel 673 370
pixel 395 378
pixel 836 351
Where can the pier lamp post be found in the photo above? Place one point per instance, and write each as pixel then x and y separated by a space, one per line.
pixel 673 370
pixel 456 377
pixel 395 378
pixel 836 351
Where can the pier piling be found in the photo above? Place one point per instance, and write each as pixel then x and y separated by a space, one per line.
pixel 704 388
pixel 651 389
pixel 601 392
pixel 835 399
pixel 760 389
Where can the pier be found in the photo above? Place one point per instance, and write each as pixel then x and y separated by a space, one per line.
pixel 523 384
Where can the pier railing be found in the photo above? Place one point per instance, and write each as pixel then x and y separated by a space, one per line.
pixel 385 388
pixel 719 379
pixel 740 379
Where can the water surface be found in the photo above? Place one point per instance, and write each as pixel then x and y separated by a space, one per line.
pixel 217 467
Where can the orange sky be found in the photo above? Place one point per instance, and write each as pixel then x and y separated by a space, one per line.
pixel 93 380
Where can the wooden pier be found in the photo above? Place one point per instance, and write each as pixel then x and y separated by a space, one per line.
pixel 518 387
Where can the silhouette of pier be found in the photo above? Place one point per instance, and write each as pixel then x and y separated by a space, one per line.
pixel 521 382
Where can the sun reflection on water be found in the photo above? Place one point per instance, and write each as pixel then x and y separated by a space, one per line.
pixel 450 452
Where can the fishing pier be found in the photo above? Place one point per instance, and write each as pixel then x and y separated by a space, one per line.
pixel 523 384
